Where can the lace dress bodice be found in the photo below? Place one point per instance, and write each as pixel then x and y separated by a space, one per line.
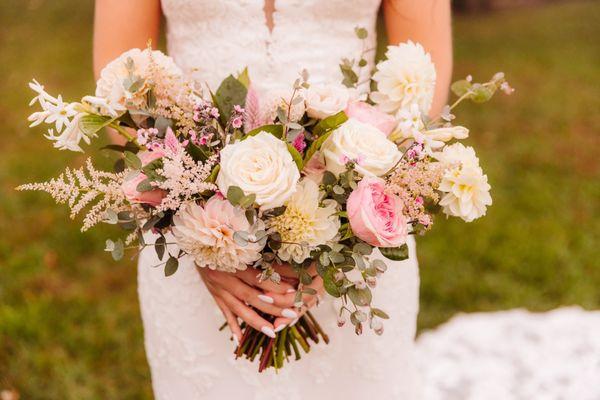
pixel 188 356
pixel 211 39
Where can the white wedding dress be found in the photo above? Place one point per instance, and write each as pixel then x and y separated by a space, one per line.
pixel 189 358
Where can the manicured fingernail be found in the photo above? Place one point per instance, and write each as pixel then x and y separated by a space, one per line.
pixel 236 341
pixel 291 314
pixel 294 322
pixel 268 331
pixel 280 328
pixel 291 291
pixel 266 299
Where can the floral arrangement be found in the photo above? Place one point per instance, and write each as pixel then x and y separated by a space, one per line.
pixel 320 177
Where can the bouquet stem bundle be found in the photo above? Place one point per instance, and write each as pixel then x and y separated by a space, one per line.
pixel 290 342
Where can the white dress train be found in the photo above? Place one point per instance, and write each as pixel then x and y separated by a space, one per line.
pixel 189 358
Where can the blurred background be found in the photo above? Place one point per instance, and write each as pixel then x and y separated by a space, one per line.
pixel 69 320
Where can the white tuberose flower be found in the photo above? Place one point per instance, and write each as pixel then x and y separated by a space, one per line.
pixel 305 222
pixel 206 233
pixel 116 77
pixel 260 165
pixel 406 77
pixel 364 144
pixel 467 191
pixel 323 101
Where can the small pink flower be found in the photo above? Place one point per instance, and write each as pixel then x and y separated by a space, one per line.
pixel 375 216
pixel 370 115
pixel 237 122
pixel 129 187
pixel 299 143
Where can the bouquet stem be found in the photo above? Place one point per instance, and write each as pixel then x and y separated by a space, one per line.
pixel 274 352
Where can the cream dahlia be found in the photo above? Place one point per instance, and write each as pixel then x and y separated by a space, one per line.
pixel 206 233
pixel 406 77
pixel 306 222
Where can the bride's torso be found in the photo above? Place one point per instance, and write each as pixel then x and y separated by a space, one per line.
pixel 211 39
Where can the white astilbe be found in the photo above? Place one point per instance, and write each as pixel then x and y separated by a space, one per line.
pixel 184 179
pixel 79 188
pixel 65 117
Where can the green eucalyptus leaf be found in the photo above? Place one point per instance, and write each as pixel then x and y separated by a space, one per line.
pixel 160 247
pixel 461 87
pixel 132 161
pixel 118 250
pixel 379 313
pixel 235 195
pixel 395 253
pixel 360 297
pixel 171 266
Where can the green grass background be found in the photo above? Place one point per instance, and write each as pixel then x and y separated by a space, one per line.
pixel 69 320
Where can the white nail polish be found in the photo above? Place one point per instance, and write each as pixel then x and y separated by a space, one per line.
pixel 268 331
pixel 291 314
pixel 290 291
pixel 294 322
pixel 236 341
pixel 266 299
pixel 280 328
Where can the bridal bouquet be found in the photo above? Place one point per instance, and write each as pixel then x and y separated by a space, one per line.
pixel 321 176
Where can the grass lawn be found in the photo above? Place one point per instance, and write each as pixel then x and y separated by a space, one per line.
pixel 69 321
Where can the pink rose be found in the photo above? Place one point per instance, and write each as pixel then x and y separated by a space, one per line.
pixel 129 187
pixel 315 168
pixel 375 216
pixel 370 115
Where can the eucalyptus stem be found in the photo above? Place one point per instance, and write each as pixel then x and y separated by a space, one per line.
pixel 123 132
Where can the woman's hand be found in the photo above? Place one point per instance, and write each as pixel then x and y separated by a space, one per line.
pixel 234 293
pixel 287 299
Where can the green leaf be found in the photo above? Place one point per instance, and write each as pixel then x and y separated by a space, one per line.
pixel 118 251
pixel 461 87
pixel 275 130
pixel 213 174
pixel 315 146
pixel 395 253
pixel 160 246
pixel 129 146
pixel 90 124
pixel 144 186
pixel 330 123
pixel 329 283
pixel 171 266
pixel 379 313
pixel 481 94
pixel 244 78
pixel 197 153
pixel 235 194
pixel 132 161
pixel 247 201
pixel 296 156
pixel 231 92
pixel 360 297
pixel 361 32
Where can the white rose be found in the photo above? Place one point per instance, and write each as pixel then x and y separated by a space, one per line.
pixel 373 153
pixel 325 100
pixel 406 77
pixel 260 165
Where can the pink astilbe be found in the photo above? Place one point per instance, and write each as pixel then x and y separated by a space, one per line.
pixel 81 187
pixel 184 179
pixel 414 181
pixel 252 115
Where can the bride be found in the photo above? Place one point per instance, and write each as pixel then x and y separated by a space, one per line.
pixel 189 357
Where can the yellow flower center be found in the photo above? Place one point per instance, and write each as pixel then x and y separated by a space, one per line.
pixel 293 225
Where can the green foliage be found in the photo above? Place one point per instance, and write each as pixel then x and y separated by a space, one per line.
pixel 231 92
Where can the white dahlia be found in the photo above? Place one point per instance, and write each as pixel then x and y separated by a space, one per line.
pixel 406 77
pixel 467 193
pixel 206 233
pixel 116 83
pixel 306 222
pixel 466 188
